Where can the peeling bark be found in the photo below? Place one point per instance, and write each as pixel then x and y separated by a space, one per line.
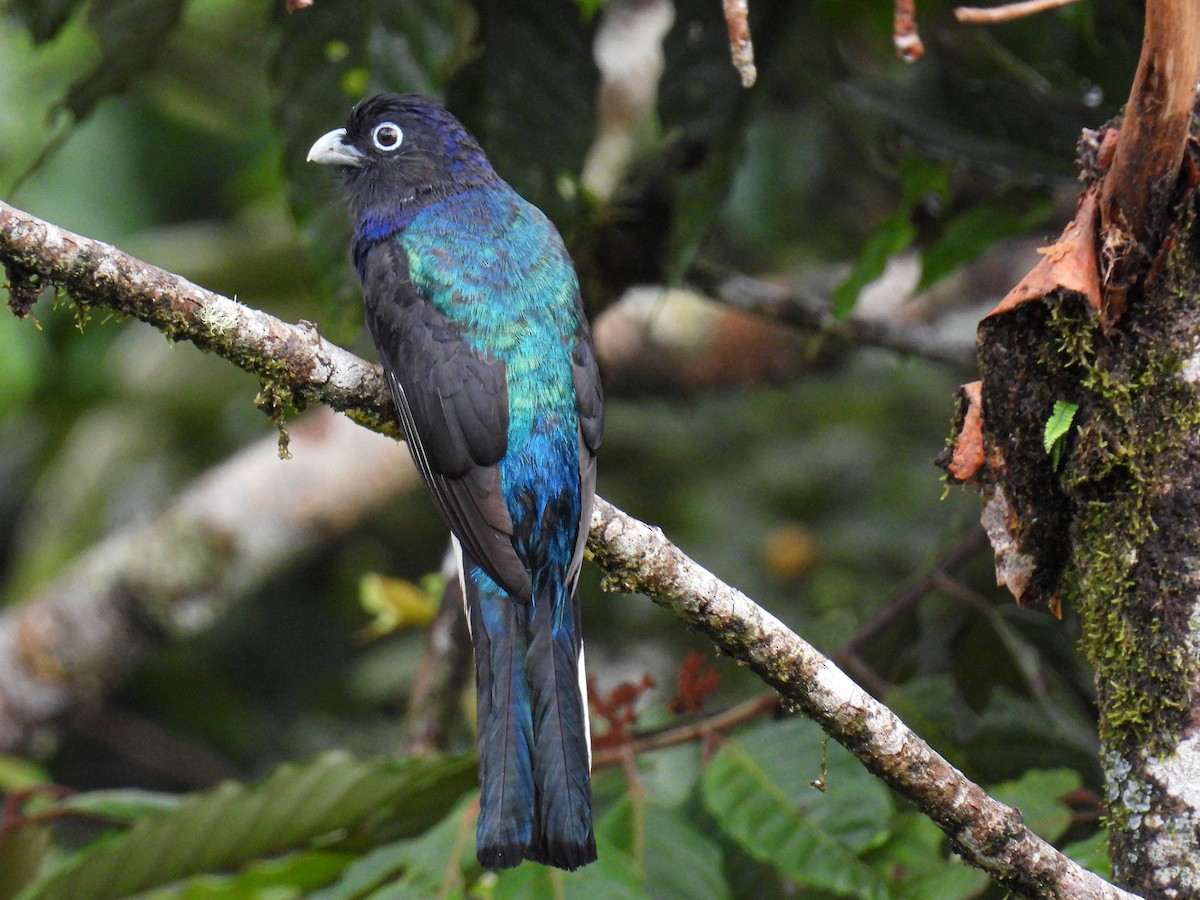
pixel 1141 184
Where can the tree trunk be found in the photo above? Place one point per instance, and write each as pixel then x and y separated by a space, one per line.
pixel 1109 522
pixel 1115 533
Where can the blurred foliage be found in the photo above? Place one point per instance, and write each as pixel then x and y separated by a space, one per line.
pixel 815 496
pixel 381 829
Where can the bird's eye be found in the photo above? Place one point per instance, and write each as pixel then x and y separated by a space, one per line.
pixel 386 136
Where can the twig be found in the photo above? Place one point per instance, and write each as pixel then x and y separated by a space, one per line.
pixel 949 561
pixel 983 831
pixel 717 723
pixel 812 313
pixel 12 811
pixel 637 807
pixel 975 15
pixel 904 31
pixel 441 676
pixel 737 19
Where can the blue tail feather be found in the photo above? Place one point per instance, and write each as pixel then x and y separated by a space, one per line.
pixel 506 799
pixel 562 830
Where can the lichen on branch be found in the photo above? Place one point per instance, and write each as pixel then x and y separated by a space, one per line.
pixel 290 360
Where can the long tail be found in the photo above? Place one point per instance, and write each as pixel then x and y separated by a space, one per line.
pixel 506 799
pixel 562 830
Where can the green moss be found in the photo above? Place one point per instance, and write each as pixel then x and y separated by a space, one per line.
pixel 1138 419
pixel 374 423
pixel 277 398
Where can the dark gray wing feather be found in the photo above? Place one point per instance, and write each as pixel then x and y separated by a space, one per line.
pixel 589 401
pixel 453 405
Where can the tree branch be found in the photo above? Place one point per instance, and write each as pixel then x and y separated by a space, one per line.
pixel 1154 130
pixel 991 15
pixel 292 360
pixel 633 555
pixel 985 832
pixel 811 313
pixel 79 637
pixel 713 724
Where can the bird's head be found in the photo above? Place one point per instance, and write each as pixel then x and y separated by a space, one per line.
pixel 402 151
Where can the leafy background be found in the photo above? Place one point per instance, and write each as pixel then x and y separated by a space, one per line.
pixel 176 130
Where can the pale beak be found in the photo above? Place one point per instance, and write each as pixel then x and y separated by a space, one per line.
pixel 331 150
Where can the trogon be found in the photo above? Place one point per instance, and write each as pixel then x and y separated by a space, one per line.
pixel 473 304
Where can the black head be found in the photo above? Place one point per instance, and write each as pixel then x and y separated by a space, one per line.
pixel 400 151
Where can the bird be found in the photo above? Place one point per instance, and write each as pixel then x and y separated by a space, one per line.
pixel 473 304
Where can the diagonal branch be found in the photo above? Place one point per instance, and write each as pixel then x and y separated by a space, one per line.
pixel 633 555
pixel 78 638
pixel 292 360
pixel 985 832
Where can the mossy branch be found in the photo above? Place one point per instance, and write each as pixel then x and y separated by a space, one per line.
pixel 633 555
pixel 292 361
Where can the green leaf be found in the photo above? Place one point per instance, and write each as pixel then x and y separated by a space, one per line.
pixel 366 873
pixel 1037 794
pixel 678 860
pixel 919 178
pixel 425 866
pixel 972 232
pixel 1015 735
pixel 757 788
pixel 855 804
pixel 916 859
pixel 614 874
pixel 611 876
pixel 922 178
pixel 953 881
pixel 1057 428
pixel 234 824
pixel 17 772
pixel 125 805
pixel 294 875
pixel 894 234
pixel 589 8
pixel 21 853
pixel 1059 423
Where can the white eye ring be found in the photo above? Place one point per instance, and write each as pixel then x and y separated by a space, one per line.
pixel 387 136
